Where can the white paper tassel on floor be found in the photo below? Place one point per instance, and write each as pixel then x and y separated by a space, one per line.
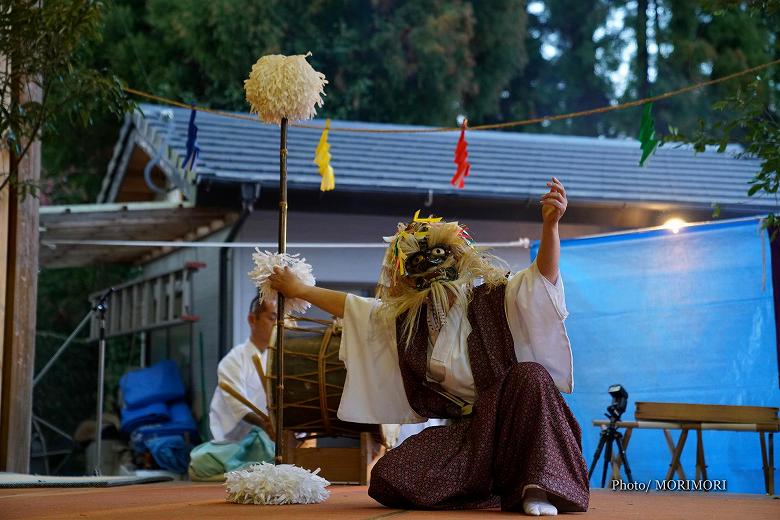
pixel 265 483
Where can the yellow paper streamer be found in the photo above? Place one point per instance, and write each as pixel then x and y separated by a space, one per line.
pixel 399 255
pixel 322 160
pixel 428 220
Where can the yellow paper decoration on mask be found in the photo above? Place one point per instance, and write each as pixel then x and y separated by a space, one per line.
pixel 400 256
pixel 428 220
pixel 322 159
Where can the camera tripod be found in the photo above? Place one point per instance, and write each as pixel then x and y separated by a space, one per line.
pixel 609 435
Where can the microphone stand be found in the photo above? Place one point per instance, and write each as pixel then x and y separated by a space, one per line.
pixel 100 308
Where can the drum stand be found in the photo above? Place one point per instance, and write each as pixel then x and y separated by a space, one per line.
pixel 347 465
pixel 339 465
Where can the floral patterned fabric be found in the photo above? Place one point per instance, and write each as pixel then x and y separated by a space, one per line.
pixel 520 432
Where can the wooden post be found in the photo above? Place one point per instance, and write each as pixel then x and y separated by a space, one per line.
pixel 677 453
pixel 701 465
pixel 670 444
pixel 288 445
pixel 18 291
pixel 370 451
pixel 5 371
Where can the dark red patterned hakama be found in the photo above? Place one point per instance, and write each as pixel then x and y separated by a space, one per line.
pixel 521 431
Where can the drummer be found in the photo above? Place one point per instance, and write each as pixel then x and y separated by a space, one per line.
pixel 240 435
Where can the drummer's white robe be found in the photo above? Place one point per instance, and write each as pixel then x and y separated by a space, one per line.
pixel 374 392
pixel 227 413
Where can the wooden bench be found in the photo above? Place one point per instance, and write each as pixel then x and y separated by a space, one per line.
pixel 700 417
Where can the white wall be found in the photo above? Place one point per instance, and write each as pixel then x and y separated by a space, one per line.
pixel 205 297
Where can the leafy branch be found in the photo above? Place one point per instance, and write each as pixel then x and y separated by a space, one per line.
pixel 44 48
pixel 755 127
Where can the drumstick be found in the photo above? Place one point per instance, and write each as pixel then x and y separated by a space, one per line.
pixel 260 371
pixel 224 385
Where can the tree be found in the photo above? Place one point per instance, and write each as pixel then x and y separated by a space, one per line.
pixel 499 48
pixel 567 68
pixel 749 115
pixel 702 42
pixel 43 44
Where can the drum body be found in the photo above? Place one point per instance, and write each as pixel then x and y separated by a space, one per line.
pixel 313 381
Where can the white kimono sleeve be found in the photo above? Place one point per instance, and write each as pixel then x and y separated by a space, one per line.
pixel 373 390
pixel 535 310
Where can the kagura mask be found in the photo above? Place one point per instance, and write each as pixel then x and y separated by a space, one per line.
pixel 430 264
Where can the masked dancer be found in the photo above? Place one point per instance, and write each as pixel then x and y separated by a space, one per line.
pixel 453 335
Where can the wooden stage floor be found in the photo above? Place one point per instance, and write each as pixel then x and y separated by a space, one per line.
pixel 189 500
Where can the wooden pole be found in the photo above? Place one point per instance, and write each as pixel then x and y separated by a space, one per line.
pixel 280 300
pixel 18 292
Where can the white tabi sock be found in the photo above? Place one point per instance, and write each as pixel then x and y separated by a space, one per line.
pixel 535 502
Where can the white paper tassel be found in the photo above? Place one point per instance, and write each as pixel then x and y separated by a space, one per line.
pixel 265 483
pixel 284 86
pixel 264 267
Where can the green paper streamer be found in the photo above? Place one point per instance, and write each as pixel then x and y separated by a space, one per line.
pixel 647 139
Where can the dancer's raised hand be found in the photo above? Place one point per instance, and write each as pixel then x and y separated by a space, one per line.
pixel 554 202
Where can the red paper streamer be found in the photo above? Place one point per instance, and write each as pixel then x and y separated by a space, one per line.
pixel 461 159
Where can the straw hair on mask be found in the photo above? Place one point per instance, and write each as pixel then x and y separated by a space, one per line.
pixel 398 292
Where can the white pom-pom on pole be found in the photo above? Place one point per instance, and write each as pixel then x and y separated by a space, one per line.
pixel 275 485
pixel 264 267
pixel 284 87
pixel 280 89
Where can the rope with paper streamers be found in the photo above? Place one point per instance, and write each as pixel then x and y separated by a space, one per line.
pixel 495 126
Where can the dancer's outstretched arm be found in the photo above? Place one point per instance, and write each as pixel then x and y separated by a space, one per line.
pixel 290 286
pixel 553 207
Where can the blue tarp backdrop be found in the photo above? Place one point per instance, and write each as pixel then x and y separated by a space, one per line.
pixel 686 317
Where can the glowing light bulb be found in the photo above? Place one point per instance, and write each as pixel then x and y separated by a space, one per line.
pixel 674 224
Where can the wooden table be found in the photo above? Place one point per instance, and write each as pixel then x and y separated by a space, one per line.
pixel 687 417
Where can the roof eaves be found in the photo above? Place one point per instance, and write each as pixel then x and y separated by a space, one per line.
pixel 116 157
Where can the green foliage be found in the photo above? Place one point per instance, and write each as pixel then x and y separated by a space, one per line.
pixel 45 76
pixel 384 60
pixel 754 125
pixel 499 50
pixel 707 43
pixel 424 60
pixel 747 114
pixel 689 41
pixel 575 82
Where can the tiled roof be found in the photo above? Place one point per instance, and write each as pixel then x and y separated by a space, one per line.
pixel 504 164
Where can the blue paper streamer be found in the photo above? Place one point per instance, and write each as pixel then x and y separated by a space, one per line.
pixel 193 150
